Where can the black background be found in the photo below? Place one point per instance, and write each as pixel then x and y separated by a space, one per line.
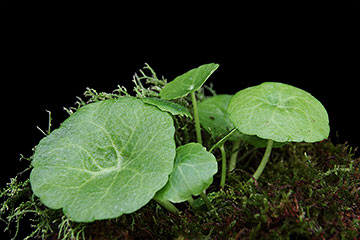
pixel 52 53
pixel 51 60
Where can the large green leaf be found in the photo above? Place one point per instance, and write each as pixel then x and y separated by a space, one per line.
pixel 279 112
pixel 193 173
pixel 168 106
pixel 108 158
pixel 188 82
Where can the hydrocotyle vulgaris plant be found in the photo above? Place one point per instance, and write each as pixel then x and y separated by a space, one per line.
pixel 189 83
pixel 112 156
pixel 215 119
pixel 280 113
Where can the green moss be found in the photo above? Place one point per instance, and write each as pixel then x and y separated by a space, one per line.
pixel 307 191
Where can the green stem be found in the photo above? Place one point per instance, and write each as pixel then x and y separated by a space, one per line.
pixel 206 200
pixel 223 166
pixel 196 118
pixel 234 155
pixel 191 202
pixel 168 205
pixel 264 160
pixel 221 141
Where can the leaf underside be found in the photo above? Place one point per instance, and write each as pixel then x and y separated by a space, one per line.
pixel 188 82
pixel 167 106
pixel 214 117
pixel 107 159
pixel 279 112
pixel 193 173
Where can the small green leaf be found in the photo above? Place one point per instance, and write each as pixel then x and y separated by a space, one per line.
pixel 168 106
pixel 188 82
pixel 279 112
pixel 107 159
pixel 192 174
pixel 214 116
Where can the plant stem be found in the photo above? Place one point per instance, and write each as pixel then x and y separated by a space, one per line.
pixel 196 118
pixel 221 141
pixel 234 155
pixel 206 200
pixel 223 166
pixel 191 202
pixel 264 160
pixel 168 205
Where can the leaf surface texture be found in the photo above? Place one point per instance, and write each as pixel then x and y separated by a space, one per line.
pixel 188 82
pixel 279 112
pixel 193 173
pixel 108 158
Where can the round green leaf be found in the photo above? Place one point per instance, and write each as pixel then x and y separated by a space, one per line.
pixel 188 82
pixel 279 112
pixel 107 159
pixel 193 173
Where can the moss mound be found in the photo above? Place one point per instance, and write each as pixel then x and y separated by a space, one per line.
pixel 308 191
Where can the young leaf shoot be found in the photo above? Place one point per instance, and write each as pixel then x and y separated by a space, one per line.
pixel 186 83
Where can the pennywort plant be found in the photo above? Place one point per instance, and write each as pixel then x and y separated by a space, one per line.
pixel 117 152
pixel 280 113
pixel 112 156
pixel 215 119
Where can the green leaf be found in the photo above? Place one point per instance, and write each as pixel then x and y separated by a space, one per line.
pixel 168 106
pixel 188 82
pixel 107 159
pixel 279 112
pixel 193 173
pixel 214 116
